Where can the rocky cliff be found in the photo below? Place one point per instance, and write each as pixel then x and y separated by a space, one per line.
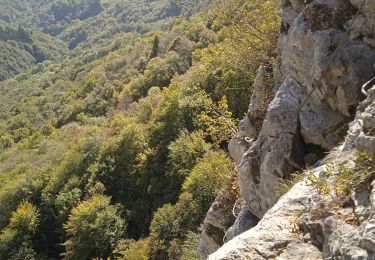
pixel 323 86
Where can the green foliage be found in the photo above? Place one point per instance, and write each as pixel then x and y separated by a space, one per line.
pixel 207 178
pixel 22 227
pixel 218 122
pixel 185 152
pixel 177 110
pixel 173 222
pixel 132 250
pixel 137 88
pixel 155 47
pixel 158 249
pixel 25 219
pixel 6 141
pixel 158 73
pixel 24 252
pixel 144 108
pixel 190 247
pixel 21 49
pixel 72 170
pixel 249 30
pixel 256 25
pixel 161 226
pixel 12 195
pixel 340 181
pixel 122 166
pixel 68 197
pixel 53 27
pixel 93 228
pixel 115 167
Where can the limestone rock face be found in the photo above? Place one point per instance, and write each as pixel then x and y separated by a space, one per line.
pixel 273 234
pixel 346 241
pixel 323 58
pixel 327 53
pixel 320 125
pixel 244 221
pixel 218 219
pixel 237 148
pixel 364 25
pixel 362 129
pixel 300 251
pixel 342 240
pixel 258 102
pixel 260 90
pixel 278 150
pixel 279 234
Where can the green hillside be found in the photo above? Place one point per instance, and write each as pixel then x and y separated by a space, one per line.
pixel 32 32
pixel 115 118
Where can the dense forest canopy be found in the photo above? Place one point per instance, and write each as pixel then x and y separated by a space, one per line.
pixel 115 118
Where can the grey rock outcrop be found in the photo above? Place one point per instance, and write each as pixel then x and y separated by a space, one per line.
pixel 319 53
pixel 271 237
pixel 244 221
pixel 342 240
pixel 217 221
pixel 327 52
pixel 362 129
pixel 320 125
pixel 262 91
pixel 277 151
pixel 237 148
pixel 300 251
pixel 324 70
pixel 286 232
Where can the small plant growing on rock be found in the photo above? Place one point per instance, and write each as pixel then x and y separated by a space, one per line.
pixel 340 181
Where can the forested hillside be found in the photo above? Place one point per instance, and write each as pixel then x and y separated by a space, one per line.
pixel 115 118
pixel 32 32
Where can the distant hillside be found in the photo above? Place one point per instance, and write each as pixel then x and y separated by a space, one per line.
pixel 22 48
pixel 35 31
